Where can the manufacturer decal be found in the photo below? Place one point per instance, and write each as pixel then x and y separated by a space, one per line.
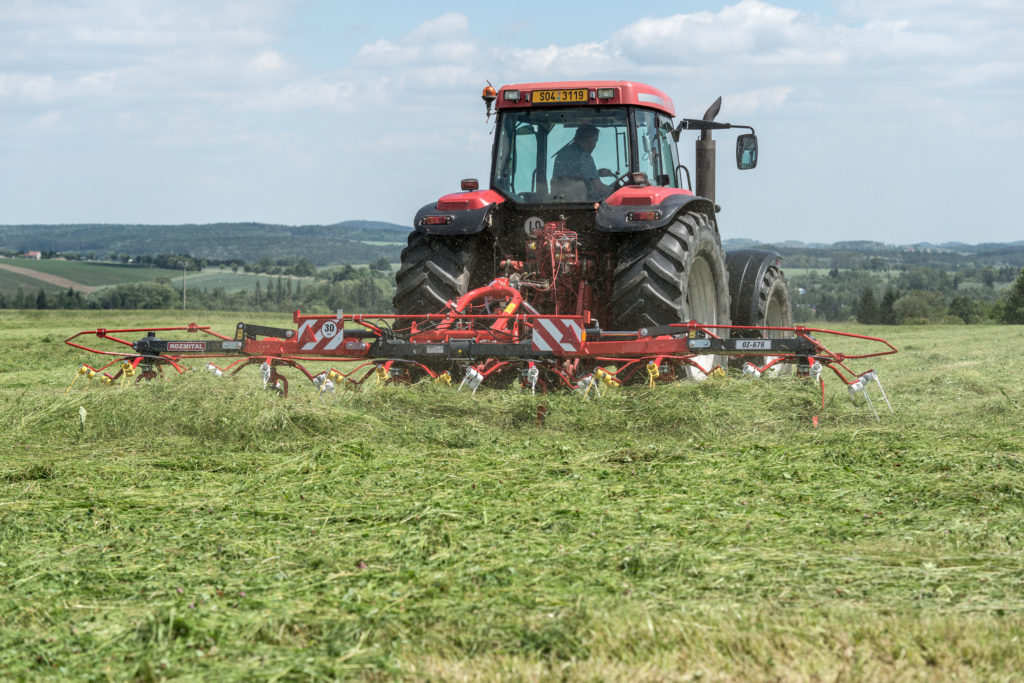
pixel 186 346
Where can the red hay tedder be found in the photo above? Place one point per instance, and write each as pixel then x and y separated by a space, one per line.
pixel 590 262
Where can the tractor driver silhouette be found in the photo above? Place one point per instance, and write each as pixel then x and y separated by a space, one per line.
pixel 575 176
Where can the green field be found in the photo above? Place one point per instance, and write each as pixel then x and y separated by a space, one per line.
pixel 96 274
pixel 231 282
pixel 93 274
pixel 205 529
pixel 11 282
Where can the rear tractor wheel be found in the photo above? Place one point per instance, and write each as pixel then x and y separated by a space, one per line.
pixel 436 269
pixel 673 275
pixel 760 297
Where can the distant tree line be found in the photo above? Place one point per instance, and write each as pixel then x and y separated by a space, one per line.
pixel 354 241
pixel 298 266
pixel 918 294
pixel 292 283
pixel 41 300
pixel 367 292
pixel 865 287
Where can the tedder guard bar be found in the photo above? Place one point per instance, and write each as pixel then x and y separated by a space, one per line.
pixel 488 331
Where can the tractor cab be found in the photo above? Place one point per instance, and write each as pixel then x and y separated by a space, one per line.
pixel 580 142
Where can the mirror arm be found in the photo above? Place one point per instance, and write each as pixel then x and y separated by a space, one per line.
pixel 699 124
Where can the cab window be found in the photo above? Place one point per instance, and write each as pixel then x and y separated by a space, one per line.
pixel 656 149
pixel 529 141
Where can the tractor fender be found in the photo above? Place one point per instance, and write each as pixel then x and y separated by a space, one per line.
pixel 746 272
pixel 613 216
pixel 463 213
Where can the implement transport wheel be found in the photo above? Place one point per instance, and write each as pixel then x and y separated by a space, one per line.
pixel 673 275
pixel 436 269
pixel 760 296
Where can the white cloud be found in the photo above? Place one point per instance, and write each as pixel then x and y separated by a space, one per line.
pixel 583 60
pixel 738 28
pixel 147 42
pixel 96 83
pixel 267 62
pixel 50 119
pixel 987 73
pixel 931 10
pixel 757 101
pixel 310 94
pixel 756 32
pixel 748 28
pixel 446 25
pixel 31 88
pixel 438 41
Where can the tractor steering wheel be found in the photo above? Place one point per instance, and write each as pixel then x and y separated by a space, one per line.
pixel 617 182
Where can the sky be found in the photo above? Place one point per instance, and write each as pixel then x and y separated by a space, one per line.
pixel 900 121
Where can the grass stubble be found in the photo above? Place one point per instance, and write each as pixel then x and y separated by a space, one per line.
pixel 201 528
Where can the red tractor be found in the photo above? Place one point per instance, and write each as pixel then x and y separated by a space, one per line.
pixel 589 209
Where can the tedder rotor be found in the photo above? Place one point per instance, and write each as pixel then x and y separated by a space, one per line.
pixel 489 332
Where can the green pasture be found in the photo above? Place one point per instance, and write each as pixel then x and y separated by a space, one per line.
pixel 93 274
pixel 11 282
pixel 204 529
pixel 802 272
pixel 108 274
pixel 232 282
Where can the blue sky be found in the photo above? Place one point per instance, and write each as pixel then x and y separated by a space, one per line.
pixel 899 121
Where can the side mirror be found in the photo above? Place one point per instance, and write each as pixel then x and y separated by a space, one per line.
pixel 746 151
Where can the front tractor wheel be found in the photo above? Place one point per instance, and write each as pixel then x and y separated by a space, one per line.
pixel 436 269
pixel 673 275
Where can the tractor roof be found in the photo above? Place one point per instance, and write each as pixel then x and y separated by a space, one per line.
pixel 583 93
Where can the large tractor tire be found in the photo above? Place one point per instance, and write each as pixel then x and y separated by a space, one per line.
pixel 436 269
pixel 673 275
pixel 760 296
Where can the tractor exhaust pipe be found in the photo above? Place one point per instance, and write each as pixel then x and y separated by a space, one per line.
pixel 706 156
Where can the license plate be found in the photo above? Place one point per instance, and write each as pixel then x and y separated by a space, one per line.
pixel 556 96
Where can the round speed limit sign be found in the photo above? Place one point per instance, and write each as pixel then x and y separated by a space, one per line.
pixel 533 225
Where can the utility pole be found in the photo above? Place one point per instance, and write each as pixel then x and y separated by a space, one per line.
pixel 184 282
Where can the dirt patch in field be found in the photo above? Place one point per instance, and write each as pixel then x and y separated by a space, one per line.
pixel 52 279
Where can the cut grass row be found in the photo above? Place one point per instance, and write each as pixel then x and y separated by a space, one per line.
pixel 203 528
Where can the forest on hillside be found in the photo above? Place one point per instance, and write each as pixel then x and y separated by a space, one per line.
pixel 865 281
pixel 322 245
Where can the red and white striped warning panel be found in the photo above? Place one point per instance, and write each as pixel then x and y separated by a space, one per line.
pixel 321 335
pixel 556 334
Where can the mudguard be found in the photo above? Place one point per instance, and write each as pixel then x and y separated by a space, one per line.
pixel 463 213
pixel 463 222
pixel 613 216
pixel 746 271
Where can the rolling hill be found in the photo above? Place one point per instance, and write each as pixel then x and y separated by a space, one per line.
pixel 347 242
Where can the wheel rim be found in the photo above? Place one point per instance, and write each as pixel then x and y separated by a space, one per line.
pixel 702 304
pixel 775 316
